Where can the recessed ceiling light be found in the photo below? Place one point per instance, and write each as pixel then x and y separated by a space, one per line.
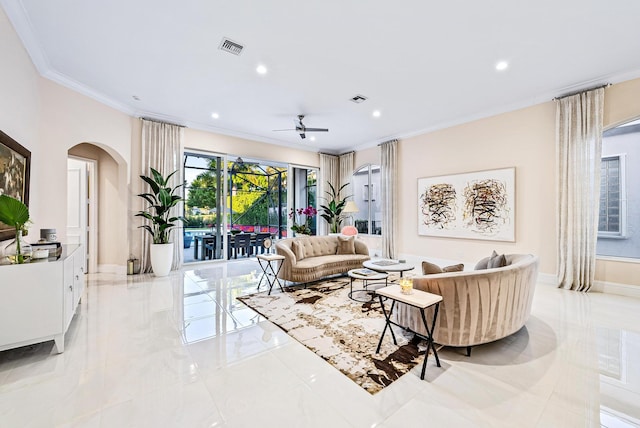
pixel 215 115
pixel 376 113
pixel 261 69
pixel 312 138
pixel 502 65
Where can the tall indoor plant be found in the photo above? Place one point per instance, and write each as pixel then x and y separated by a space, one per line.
pixel 332 212
pixel 161 199
pixel 15 213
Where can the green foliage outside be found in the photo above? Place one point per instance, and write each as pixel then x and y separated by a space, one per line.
pixel 253 192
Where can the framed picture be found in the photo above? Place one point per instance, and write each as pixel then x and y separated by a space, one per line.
pixel 15 165
pixel 475 205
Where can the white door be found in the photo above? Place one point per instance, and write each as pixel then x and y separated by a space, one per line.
pixel 77 204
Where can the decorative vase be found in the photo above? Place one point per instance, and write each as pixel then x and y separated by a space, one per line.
pixel 161 258
pixel 18 250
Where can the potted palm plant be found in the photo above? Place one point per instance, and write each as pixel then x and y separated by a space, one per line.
pixel 15 213
pixel 161 199
pixel 332 212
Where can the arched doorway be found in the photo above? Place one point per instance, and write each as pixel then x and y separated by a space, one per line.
pixel 97 206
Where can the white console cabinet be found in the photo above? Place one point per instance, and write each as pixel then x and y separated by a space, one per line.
pixel 38 299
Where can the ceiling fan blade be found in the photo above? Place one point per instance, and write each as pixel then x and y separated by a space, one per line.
pixel 316 129
pixel 302 135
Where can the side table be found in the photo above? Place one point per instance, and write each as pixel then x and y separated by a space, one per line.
pixel 375 276
pixel 268 271
pixel 418 299
pixel 388 266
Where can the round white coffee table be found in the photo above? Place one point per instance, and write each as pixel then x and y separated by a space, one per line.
pixel 388 267
pixel 367 280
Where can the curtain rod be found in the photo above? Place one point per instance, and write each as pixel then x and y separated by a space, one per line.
pixel 390 141
pixel 604 85
pixel 161 121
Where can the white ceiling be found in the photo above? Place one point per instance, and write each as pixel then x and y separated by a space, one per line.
pixel 424 65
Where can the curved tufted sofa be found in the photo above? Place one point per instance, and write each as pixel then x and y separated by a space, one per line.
pixel 478 306
pixel 319 258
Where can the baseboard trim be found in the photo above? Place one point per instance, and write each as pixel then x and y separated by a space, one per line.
pixel 627 290
pixel 117 269
pixel 547 279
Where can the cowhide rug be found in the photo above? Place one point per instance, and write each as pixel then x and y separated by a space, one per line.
pixel 343 332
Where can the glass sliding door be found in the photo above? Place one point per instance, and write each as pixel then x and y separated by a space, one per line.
pixel 203 207
pixel 303 189
pixel 226 196
pixel 257 197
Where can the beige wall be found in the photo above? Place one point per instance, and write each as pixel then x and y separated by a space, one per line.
pixel 68 119
pixel 222 144
pixel 49 119
pixel 19 96
pixel 20 100
pixel 524 139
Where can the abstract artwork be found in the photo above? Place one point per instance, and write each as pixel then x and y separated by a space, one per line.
pixel 476 205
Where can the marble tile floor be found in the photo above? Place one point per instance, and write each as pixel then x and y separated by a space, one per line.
pixel 182 352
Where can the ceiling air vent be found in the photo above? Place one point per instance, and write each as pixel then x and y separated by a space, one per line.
pixel 231 46
pixel 358 99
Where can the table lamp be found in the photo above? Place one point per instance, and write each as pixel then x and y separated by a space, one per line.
pixel 349 208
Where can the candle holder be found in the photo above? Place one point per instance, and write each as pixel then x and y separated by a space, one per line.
pixel 406 285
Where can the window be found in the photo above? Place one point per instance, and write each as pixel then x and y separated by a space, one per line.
pixel 619 215
pixel 612 211
pixel 366 195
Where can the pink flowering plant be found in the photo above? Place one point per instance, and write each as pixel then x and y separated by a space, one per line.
pixel 302 219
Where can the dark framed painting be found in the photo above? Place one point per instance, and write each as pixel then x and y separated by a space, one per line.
pixel 15 166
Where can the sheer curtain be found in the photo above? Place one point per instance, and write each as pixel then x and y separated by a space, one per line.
pixel 329 172
pixel 346 172
pixel 162 150
pixel 389 185
pixel 578 151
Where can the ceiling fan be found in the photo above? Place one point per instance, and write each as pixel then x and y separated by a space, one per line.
pixel 301 129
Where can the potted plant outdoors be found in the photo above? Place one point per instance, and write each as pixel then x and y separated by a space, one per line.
pixel 15 213
pixel 302 227
pixel 161 199
pixel 332 212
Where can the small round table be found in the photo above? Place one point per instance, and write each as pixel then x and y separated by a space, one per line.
pixel 387 266
pixel 366 281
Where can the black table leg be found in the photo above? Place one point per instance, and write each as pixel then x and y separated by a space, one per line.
pixel 387 324
pixel 430 344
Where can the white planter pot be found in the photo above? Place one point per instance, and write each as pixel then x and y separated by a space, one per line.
pixel 161 258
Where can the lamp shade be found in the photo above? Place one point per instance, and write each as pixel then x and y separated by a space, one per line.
pixel 350 207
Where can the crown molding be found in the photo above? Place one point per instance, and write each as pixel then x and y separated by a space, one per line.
pixel 22 25
pixel 538 99
pixel 83 89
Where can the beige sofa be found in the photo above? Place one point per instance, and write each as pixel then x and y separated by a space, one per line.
pixel 310 258
pixel 478 306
